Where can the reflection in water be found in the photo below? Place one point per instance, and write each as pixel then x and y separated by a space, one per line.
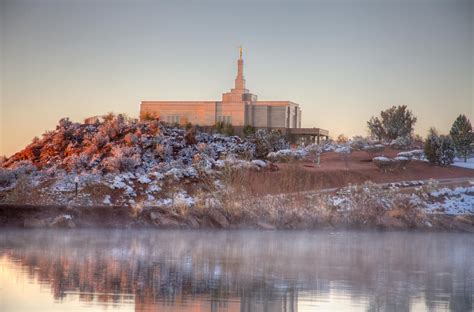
pixel 240 271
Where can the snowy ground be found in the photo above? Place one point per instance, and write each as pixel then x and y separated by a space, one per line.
pixel 460 163
pixel 452 201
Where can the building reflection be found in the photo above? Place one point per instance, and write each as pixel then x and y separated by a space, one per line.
pixel 175 271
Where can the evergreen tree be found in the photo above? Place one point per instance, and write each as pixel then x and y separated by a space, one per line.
pixel 394 122
pixel 439 150
pixel 462 136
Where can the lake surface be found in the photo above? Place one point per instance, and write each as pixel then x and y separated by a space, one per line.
pixel 53 270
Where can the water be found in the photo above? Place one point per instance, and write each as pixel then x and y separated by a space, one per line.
pixel 235 271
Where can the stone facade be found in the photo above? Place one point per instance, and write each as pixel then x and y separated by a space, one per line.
pixel 238 107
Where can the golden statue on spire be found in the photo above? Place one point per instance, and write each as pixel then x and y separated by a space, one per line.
pixel 240 52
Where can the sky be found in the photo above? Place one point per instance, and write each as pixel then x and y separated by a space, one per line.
pixel 342 60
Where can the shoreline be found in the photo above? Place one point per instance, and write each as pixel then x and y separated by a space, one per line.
pixel 28 216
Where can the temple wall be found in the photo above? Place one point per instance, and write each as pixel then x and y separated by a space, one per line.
pixel 236 110
pixel 196 112
pixel 277 116
pixel 266 116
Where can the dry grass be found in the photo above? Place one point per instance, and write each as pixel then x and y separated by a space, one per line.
pixel 293 179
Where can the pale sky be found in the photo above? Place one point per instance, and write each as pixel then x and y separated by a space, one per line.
pixel 342 61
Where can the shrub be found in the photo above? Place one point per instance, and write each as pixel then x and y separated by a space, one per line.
pixel 130 139
pixel 100 139
pixel 385 164
pixel 358 143
pixel 462 136
pixel 228 129
pixel 219 127
pixel 248 130
pixel 287 155
pixel 123 160
pixel 394 122
pixel 401 143
pixel 7 178
pixel 342 139
pixel 190 137
pixel 402 162
pixel 363 204
pixel 374 150
pixel 267 142
pixel 78 162
pixel 148 117
pixel 439 150
pixel 414 154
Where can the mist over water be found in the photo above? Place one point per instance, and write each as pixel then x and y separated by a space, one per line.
pixel 235 271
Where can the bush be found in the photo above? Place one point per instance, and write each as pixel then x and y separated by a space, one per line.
pixel 248 130
pixel 123 160
pixel 287 155
pixel 402 162
pixel 7 178
pixel 228 129
pixel 439 150
pixel 219 127
pixel 148 117
pixel 373 150
pixel 413 154
pixel 267 142
pixel 190 137
pixel 358 143
pixel 393 123
pixel 462 136
pixel 385 164
pixel 342 139
pixel 401 143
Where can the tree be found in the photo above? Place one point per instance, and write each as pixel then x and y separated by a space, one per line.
pixel 461 133
pixel 394 122
pixel 341 139
pixel 248 130
pixel 439 150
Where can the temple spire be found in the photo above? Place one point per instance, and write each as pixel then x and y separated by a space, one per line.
pixel 240 81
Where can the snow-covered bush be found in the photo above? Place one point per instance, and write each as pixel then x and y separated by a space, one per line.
pixel 385 164
pixel 23 167
pixel 267 142
pixel 401 143
pixel 77 162
pixel 439 150
pixel 287 155
pixel 101 139
pixel 373 150
pixel 358 143
pixel 363 204
pixel 130 139
pixel 402 161
pixel 7 178
pixel 413 154
pixel 123 159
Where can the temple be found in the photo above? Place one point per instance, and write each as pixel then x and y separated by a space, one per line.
pixel 238 107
